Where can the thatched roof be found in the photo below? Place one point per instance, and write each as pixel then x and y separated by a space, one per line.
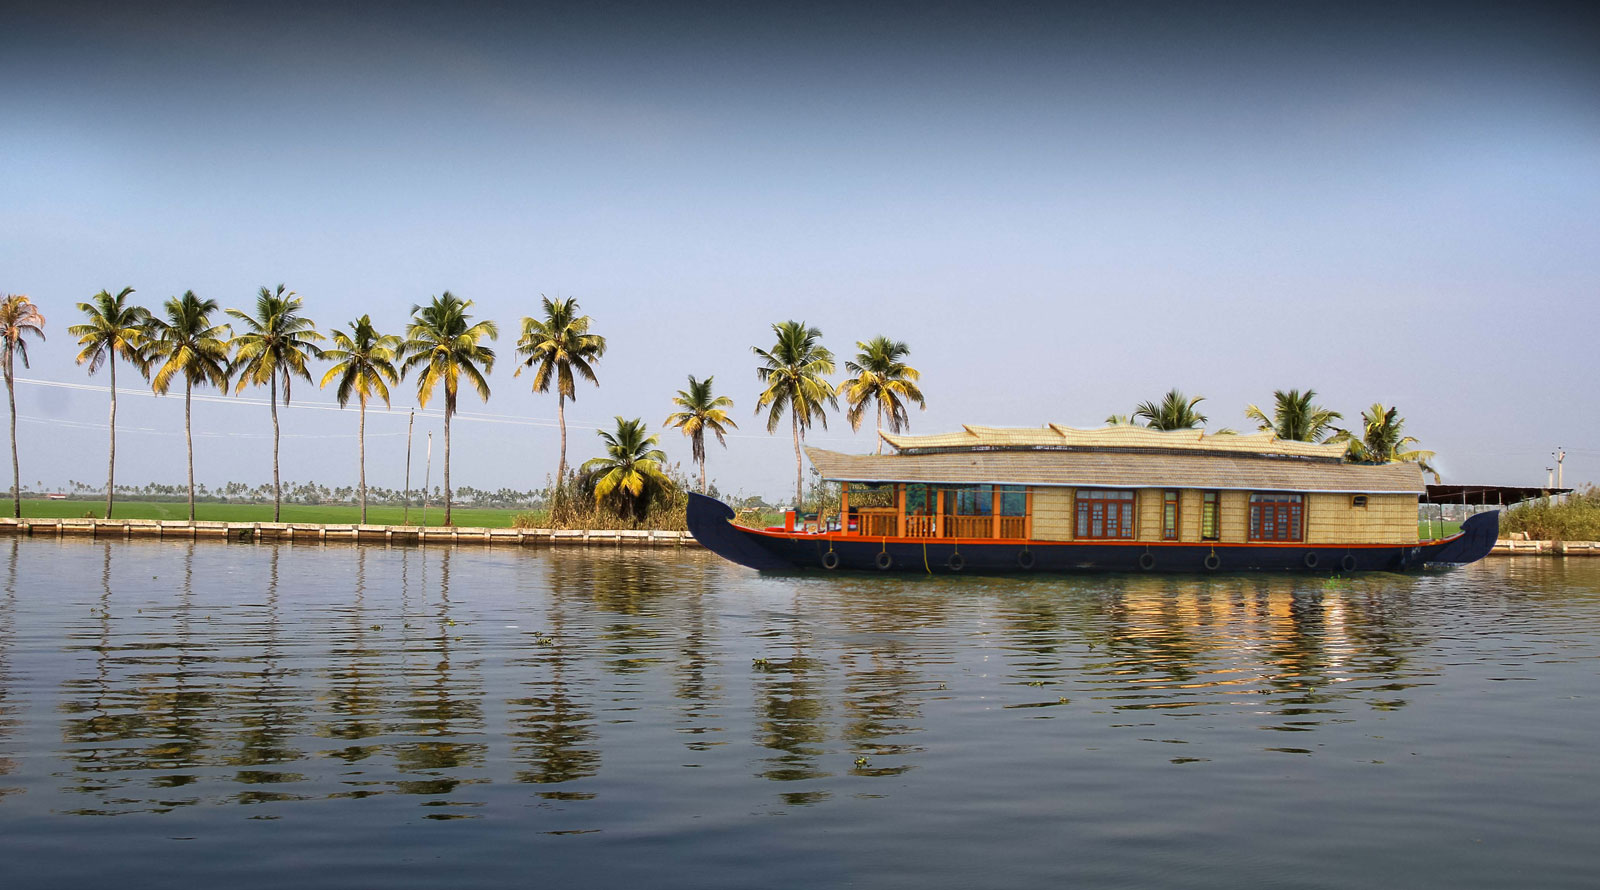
pixel 1122 468
pixel 1118 437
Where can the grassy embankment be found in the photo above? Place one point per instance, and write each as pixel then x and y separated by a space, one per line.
pixel 332 514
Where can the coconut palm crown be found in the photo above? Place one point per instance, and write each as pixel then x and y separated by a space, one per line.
pixel 1175 411
pixel 702 411
pixel 1382 440
pixel 363 364
pixel 19 319
pixel 184 343
pixel 794 372
pixel 112 327
pixel 275 346
pixel 443 342
pixel 631 471
pixel 884 381
pixel 1295 416
pixel 556 347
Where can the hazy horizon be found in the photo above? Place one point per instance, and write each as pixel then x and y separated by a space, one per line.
pixel 1062 211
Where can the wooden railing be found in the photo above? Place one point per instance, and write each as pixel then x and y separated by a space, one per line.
pixel 968 527
pixel 874 524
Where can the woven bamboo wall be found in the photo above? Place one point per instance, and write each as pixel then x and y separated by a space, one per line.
pixel 1052 514
pixel 1189 506
pixel 1387 519
pixel 1235 518
pixel 1147 525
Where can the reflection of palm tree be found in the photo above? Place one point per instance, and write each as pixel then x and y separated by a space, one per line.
pixel 268 722
pixel 355 700
pixel 555 734
pixel 441 711
pixel 8 611
pixel 792 710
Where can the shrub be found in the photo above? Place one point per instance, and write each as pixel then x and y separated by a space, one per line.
pixel 1574 518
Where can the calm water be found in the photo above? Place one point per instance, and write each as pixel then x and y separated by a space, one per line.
pixel 262 715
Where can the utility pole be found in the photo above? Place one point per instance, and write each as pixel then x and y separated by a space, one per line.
pixel 1561 455
pixel 1549 478
pixel 427 477
pixel 410 422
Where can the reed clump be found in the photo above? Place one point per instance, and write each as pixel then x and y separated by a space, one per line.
pixel 571 507
pixel 1575 517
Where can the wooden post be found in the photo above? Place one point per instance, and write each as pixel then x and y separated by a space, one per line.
pixel 844 508
pixel 1027 521
pixel 994 511
pixel 899 510
pixel 938 513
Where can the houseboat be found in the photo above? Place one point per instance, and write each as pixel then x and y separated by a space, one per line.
pixel 1123 498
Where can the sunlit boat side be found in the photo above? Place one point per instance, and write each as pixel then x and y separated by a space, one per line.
pixel 1058 499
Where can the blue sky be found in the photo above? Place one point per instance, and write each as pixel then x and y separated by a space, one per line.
pixel 1062 211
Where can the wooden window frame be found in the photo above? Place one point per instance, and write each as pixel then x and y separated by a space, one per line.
pixel 1083 509
pixel 1211 502
pixel 1171 514
pixel 1276 517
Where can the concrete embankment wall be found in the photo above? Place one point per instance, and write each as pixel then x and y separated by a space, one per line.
pixel 1504 547
pixel 374 534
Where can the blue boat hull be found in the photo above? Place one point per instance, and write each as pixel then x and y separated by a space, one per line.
pixel 710 521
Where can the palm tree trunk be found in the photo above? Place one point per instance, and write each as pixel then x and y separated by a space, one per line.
pixel 799 470
pixel 449 409
pixel 561 419
pixel 188 438
pixel 702 470
pixel 277 488
pixel 361 439
pixel 16 468
pixel 111 470
pixel 880 426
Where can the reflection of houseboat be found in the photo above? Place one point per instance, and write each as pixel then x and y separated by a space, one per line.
pixel 1120 498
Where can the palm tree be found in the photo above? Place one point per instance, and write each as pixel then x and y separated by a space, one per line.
pixel 884 380
pixel 1383 440
pixel 1120 420
pixel 364 366
pixel 701 411
pixel 275 346
pixel 18 318
pixel 186 343
pixel 1173 412
pixel 794 372
pixel 557 345
pixel 441 341
pixel 1295 417
pixel 113 327
pixel 630 473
